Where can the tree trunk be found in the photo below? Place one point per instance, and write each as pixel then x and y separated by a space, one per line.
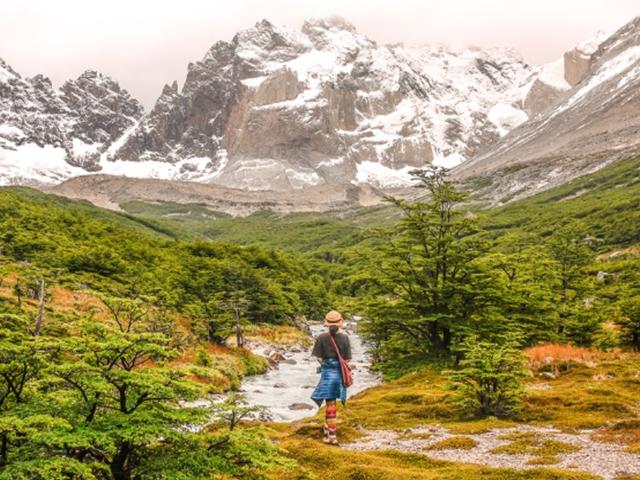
pixel 4 447
pixel 435 335
pixel 119 468
pixel 239 335
pixel 446 337
pixel 38 323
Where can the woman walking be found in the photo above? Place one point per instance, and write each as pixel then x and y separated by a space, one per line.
pixel 328 349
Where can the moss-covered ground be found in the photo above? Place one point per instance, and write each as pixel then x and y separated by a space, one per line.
pixel 602 395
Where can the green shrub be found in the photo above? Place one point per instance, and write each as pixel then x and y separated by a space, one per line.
pixel 489 379
pixel 203 358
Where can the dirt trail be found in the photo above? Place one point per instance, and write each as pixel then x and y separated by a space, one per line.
pixel 606 460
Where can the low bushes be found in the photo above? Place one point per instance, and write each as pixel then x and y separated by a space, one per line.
pixel 557 358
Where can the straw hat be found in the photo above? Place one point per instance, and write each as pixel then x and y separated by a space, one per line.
pixel 333 318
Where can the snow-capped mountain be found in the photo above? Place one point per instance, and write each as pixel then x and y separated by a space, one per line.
pixel 276 108
pixel 281 109
pixel 593 122
pixel 49 135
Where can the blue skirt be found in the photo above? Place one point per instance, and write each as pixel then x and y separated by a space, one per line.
pixel 330 386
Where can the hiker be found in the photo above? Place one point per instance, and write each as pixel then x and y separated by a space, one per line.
pixel 331 349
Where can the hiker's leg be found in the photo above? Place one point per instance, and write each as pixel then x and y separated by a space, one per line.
pixel 330 422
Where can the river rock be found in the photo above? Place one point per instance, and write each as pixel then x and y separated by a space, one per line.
pixel 280 385
pixel 300 406
pixel 289 361
pixel 276 357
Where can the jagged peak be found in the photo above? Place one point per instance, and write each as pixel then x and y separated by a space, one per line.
pixel 90 74
pixel 332 22
pixel 266 40
pixel 96 84
pixel 264 24
pixel 335 33
pixel 39 81
pixel 6 72
pixel 267 34
pixel 170 89
pixel 590 46
pixel 94 77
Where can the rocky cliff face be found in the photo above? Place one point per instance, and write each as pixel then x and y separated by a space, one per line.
pixel 285 110
pixel 102 110
pixel 592 124
pixel 48 135
pixel 280 109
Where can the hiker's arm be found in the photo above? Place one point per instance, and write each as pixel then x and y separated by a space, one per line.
pixel 347 353
pixel 317 350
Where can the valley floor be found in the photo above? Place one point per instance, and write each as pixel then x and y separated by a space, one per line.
pixel 582 424
pixel 494 448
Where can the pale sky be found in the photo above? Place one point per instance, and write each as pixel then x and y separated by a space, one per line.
pixel 144 43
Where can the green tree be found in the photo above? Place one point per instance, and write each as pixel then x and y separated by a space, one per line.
pixel 426 282
pixel 489 378
pixel 630 321
pixel 21 362
pixel 523 280
pixel 235 408
pixel 571 250
pixel 120 396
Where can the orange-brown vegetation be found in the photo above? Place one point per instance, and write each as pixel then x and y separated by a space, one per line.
pixel 560 357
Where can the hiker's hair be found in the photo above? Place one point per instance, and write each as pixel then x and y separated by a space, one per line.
pixel 333 329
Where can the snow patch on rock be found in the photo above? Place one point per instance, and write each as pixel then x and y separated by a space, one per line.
pixel 381 176
pixel 506 117
pixel 553 75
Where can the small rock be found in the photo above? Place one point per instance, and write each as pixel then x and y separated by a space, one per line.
pixel 300 406
pixel 289 361
pixel 280 385
pixel 276 357
pixel 548 375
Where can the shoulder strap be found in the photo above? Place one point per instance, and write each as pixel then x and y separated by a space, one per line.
pixel 335 346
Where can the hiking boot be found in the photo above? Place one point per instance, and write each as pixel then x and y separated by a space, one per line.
pixel 326 434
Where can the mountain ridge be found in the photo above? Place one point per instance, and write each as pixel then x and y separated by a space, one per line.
pixel 593 125
pixel 337 106
pixel 281 110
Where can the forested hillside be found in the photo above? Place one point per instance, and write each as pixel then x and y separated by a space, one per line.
pixel 107 324
pixel 110 321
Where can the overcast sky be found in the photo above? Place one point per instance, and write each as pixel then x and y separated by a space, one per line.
pixel 144 44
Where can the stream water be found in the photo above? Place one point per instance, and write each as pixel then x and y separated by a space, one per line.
pixel 285 391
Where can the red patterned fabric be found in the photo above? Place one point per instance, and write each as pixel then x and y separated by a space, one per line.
pixel 330 424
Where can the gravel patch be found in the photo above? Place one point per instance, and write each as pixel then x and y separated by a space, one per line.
pixel 606 460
